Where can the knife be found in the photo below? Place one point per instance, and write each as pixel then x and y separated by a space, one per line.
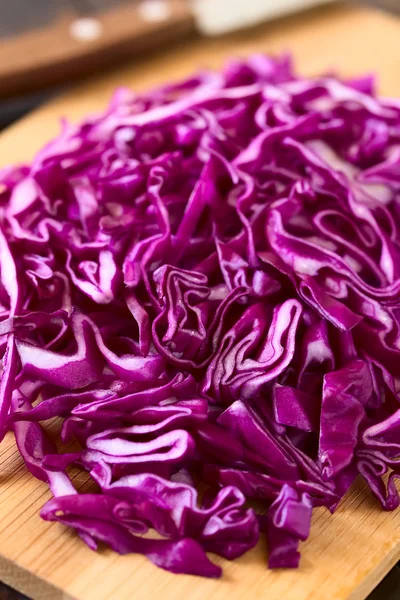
pixel 49 42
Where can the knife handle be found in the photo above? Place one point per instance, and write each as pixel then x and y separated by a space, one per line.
pixel 72 46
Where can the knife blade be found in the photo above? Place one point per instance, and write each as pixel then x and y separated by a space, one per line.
pixel 50 42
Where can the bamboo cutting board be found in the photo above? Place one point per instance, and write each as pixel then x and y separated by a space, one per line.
pixel 348 553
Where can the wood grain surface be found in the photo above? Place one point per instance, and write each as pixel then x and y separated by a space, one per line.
pixel 348 553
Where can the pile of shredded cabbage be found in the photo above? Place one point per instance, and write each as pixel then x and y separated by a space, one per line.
pixel 203 285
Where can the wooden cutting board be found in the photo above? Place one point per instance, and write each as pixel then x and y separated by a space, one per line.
pixel 348 553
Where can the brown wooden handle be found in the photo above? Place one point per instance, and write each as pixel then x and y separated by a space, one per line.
pixel 73 46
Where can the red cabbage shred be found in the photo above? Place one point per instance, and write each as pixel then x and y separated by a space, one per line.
pixel 202 286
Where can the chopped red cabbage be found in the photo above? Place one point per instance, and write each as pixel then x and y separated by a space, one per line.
pixel 203 285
